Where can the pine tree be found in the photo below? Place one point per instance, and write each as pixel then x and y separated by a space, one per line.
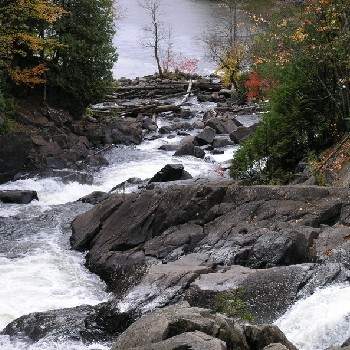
pixel 81 70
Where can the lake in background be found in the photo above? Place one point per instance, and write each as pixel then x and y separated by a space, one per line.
pixel 188 19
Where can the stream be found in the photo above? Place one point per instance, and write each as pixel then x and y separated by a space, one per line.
pixel 38 269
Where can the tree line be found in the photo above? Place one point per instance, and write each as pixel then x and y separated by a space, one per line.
pixel 299 63
pixel 60 49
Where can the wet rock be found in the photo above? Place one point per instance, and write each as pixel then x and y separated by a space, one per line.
pixel 165 130
pixel 242 133
pixel 268 228
pixel 75 176
pixel 268 293
pixel 162 284
pixel 68 323
pixel 198 125
pixel 205 137
pixel 169 148
pixel 18 196
pixel 182 327
pixel 189 149
pixel 222 125
pixel 275 346
pixel 82 323
pixel 171 172
pixel 95 197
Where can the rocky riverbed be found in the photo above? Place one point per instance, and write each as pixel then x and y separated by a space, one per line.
pixel 171 248
pixel 182 244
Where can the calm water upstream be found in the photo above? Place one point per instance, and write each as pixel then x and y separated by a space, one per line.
pixel 188 20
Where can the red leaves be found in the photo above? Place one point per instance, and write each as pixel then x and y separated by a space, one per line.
pixel 256 86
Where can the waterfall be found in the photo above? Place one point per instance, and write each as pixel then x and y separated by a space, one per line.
pixel 320 320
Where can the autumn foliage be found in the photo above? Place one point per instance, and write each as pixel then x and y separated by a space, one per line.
pixel 24 43
pixel 304 54
pixel 256 86
pixel 57 45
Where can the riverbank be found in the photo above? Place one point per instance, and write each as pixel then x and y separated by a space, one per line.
pixel 43 141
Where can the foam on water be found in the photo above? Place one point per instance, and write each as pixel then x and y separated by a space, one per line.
pixel 320 321
pixel 8 344
pixel 45 276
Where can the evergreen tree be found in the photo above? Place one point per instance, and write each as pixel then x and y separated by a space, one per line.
pixel 81 70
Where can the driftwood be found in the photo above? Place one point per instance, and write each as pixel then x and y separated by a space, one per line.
pixel 187 93
pixel 150 109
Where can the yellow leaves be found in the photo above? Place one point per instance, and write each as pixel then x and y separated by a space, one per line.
pixel 23 33
pixel 44 10
pixel 282 24
pixel 299 35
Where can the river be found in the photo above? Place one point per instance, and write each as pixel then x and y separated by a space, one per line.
pixel 38 269
pixel 188 20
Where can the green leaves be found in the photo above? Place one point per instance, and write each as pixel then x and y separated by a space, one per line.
pixel 81 72
pixel 305 56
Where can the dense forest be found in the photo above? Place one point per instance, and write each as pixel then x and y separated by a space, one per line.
pixel 61 50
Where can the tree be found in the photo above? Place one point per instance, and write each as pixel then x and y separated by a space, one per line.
pixel 306 57
pixel 155 31
pixel 81 69
pixel 25 39
pixel 227 42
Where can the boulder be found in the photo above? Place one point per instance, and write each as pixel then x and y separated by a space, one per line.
pixel 198 125
pixel 15 149
pixel 126 131
pixel 83 323
pixel 179 319
pixel 205 137
pixel 189 149
pixel 169 148
pixel 261 336
pixel 18 196
pixel 242 133
pixel 183 327
pixel 222 125
pixel 94 197
pixel 220 142
pixel 171 172
pixel 194 340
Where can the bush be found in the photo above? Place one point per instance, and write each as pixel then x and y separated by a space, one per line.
pixel 232 304
pixel 296 125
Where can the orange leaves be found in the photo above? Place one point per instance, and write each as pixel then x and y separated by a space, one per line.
pixel 256 86
pixel 24 30
pixel 28 76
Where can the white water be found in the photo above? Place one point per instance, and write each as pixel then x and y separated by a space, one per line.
pixel 38 270
pixel 320 321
